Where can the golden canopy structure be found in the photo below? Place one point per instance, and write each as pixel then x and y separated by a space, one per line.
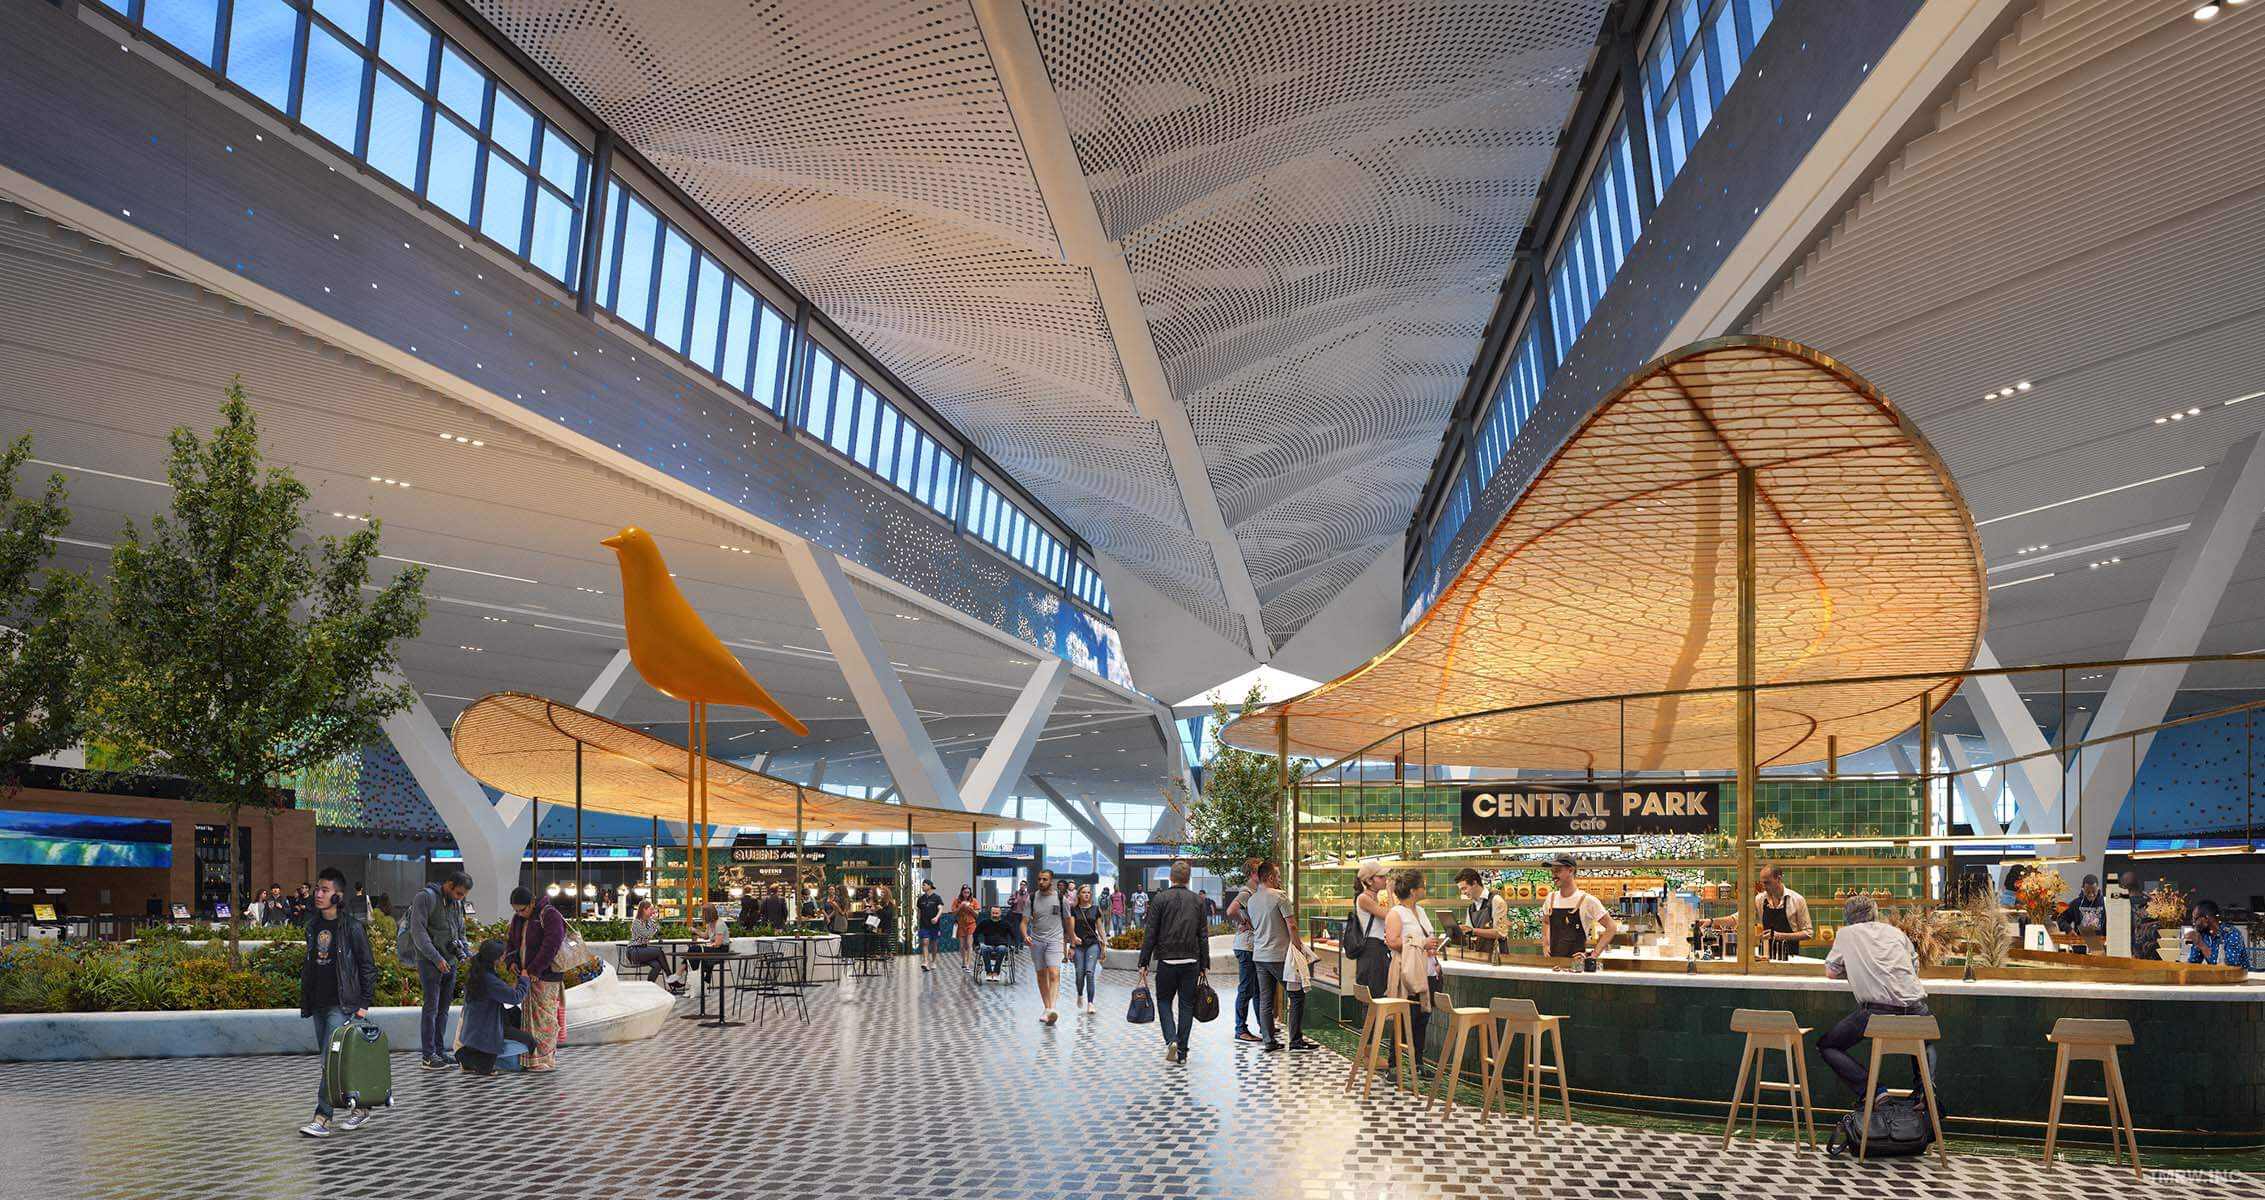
pixel 531 746
pixel 1616 574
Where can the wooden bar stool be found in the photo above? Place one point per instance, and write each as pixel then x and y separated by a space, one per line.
pixel 2080 1040
pixel 1903 1035
pixel 1767 1030
pixel 1388 1017
pixel 1519 1018
pixel 1461 1023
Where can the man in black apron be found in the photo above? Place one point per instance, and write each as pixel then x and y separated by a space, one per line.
pixel 1486 924
pixel 1568 912
pixel 1783 913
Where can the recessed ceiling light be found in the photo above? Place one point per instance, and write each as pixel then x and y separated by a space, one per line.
pixel 2206 12
pixel 472 649
pixel 2105 562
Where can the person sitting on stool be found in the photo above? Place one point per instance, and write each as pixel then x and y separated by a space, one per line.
pixel 2213 941
pixel 1882 968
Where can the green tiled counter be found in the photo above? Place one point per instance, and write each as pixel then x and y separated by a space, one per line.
pixel 1662 1043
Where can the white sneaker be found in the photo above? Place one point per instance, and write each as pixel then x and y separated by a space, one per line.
pixel 320 1126
pixel 354 1119
pixel 1050 1016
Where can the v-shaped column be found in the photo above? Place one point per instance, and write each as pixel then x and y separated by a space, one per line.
pixel 904 743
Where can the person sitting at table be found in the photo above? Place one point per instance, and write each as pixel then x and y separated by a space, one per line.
pixel 2212 941
pixel 1486 923
pixel 644 950
pixel 715 944
pixel 994 941
pixel 1882 969
pixel 481 1031
pixel 1782 921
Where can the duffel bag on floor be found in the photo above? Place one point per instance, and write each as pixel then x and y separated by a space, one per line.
pixel 1899 1129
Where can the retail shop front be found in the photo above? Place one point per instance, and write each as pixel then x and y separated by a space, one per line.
pixel 1745 575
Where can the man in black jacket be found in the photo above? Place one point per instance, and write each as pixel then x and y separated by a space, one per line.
pixel 1178 938
pixel 336 981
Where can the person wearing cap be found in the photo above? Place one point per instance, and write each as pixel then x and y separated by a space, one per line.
pixel 1782 916
pixel 1372 906
pixel 1569 913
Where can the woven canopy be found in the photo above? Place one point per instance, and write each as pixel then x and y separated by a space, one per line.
pixel 1616 573
pixel 525 745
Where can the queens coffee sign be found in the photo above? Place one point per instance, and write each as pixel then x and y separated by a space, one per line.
pixel 1607 811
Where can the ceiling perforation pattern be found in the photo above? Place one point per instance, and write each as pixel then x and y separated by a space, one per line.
pixel 1297 188
pixel 1317 203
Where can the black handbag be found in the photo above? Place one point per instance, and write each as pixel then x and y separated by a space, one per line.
pixel 1143 1008
pixel 1206 1001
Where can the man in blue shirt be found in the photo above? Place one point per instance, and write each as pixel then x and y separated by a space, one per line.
pixel 2213 941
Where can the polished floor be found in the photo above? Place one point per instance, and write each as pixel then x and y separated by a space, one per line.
pixel 916 1086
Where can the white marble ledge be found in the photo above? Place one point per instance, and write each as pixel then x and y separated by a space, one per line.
pixel 2252 992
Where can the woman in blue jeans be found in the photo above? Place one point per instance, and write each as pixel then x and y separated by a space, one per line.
pixel 1087 954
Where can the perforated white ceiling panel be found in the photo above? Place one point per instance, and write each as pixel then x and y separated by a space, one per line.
pixel 1316 202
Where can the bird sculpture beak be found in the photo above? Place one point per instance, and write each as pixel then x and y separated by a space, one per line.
pixel 613 543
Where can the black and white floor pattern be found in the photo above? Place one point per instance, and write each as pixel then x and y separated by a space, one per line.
pixel 916 1086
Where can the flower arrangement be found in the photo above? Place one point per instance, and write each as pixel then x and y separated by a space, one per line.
pixel 2039 888
pixel 2166 905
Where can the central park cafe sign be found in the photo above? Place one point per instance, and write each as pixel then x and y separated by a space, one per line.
pixel 1534 812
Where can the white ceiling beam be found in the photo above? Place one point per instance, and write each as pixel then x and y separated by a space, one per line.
pixel 1077 224
pixel 2178 616
pixel 1981 808
pixel 611 689
pixel 2009 730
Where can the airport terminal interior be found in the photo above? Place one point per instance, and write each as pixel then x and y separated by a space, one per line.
pixel 1304 599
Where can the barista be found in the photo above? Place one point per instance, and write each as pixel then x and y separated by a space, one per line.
pixel 1568 913
pixel 1784 916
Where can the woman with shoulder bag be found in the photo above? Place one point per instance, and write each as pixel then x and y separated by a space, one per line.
pixel 1415 952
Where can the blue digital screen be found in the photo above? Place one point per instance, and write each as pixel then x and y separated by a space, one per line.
pixel 53 839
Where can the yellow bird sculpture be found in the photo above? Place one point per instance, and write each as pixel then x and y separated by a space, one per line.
pixel 671 646
pixel 676 652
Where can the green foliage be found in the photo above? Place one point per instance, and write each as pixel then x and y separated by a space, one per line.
pixel 1130 939
pixel 1239 814
pixel 234 656
pixel 43 622
pixel 34 978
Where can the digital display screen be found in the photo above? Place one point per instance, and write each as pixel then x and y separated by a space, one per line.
pixel 52 839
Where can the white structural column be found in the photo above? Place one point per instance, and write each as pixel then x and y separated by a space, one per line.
pixel 1077 223
pixel 1175 754
pixel 2173 626
pixel 913 763
pixel 2010 729
pixel 1002 763
pixel 1095 830
pixel 492 840
pixel 611 688
pixel 1981 808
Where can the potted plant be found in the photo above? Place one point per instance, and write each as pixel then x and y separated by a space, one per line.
pixel 2166 906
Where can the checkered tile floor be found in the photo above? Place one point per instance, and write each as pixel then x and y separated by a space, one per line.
pixel 911 1085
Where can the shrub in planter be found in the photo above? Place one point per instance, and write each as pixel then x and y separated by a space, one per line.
pixel 1130 939
pixel 34 978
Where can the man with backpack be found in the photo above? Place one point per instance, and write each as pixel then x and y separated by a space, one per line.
pixel 336 981
pixel 1882 968
pixel 432 938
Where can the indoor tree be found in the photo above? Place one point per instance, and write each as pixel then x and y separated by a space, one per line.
pixel 42 615
pixel 1239 814
pixel 237 652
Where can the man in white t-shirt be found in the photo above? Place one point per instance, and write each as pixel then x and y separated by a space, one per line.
pixel 1569 914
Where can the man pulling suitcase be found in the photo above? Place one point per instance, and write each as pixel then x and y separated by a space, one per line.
pixel 336 983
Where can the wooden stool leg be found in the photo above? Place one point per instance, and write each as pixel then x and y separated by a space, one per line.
pixel 2060 1086
pixel 1754 1109
pixel 1934 1119
pixel 1738 1093
pixel 1498 1073
pixel 1533 1076
pixel 1368 1074
pixel 1409 1079
pixel 2123 1108
pixel 1450 1068
pixel 1871 1093
pixel 1800 1052
pixel 1486 1051
pixel 1361 1047
pixel 1564 1082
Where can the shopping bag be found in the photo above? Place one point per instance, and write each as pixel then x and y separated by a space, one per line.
pixel 1206 1001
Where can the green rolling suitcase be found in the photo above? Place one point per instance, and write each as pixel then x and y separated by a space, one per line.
pixel 357 1067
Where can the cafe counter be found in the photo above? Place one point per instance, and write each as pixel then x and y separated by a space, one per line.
pixel 1649 1035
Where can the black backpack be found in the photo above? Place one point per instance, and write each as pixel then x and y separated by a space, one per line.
pixel 1899 1128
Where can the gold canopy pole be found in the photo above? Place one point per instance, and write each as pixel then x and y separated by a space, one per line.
pixel 1749 774
pixel 691 790
pixel 1927 785
pixel 1282 773
pixel 797 913
pixel 707 834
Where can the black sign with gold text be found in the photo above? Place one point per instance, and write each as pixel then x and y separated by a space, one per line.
pixel 1515 810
